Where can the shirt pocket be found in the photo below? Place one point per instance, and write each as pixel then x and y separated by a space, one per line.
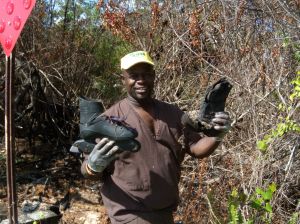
pixel 131 175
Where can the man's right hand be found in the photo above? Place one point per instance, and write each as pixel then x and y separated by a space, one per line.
pixel 102 155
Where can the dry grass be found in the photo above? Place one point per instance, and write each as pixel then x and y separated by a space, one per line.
pixel 253 44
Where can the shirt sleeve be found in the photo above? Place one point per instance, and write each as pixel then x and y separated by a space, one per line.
pixel 190 136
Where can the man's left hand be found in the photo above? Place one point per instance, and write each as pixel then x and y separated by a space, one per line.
pixel 221 122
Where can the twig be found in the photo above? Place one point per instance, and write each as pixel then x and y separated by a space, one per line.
pixel 261 99
pixel 288 165
pixel 288 12
pixel 210 209
pixel 50 83
pixel 242 173
pixel 195 53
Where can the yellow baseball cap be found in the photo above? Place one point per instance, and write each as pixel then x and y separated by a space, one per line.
pixel 134 58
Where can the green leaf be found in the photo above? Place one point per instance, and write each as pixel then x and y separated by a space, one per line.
pixel 250 221
pixel 268 207
pixel 234 217
pixel 281 107
pixel 294 218
pixel 234 193
pixel 259 191
pixel 272 187
pixel 242 197
pixel 262 145
pixel 296 128
pixel 256 204
pixel 297 56
pixel 267 195
pixel 286 42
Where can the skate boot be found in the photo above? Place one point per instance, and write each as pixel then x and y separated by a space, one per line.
pixel 89 108
pixel 94 125
pixel 82 146
pixel 103 126
pixel 214 100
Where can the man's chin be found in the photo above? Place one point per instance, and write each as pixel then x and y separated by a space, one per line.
pixel 142 98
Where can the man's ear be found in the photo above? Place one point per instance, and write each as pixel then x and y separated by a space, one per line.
pixel 122 78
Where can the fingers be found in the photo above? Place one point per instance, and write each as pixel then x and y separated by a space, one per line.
pixel 222 114
pixel 97 140
pixel 101 143
pixel 221 121
pixel 113 151
pixel 106 147
pixel 222 128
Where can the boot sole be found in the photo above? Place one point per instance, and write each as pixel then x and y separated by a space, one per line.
pixel 126 145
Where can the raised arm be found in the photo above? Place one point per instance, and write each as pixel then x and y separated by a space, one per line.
pixel 206 145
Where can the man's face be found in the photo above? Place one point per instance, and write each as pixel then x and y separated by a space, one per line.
pixel 139 81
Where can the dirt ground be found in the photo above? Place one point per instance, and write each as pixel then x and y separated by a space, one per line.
pixel 52 179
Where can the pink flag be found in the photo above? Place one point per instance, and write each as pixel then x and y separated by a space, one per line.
pixel 13 16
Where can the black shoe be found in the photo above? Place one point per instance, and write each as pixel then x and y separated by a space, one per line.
pixel 93 125
pixel 89 109
pixel 214 100
pixel 110 127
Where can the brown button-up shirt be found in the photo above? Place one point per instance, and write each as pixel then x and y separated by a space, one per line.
pixel 148 179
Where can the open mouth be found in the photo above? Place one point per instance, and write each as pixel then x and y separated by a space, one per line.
pixel 141 90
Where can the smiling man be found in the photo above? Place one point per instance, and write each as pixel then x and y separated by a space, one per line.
pixel 142 187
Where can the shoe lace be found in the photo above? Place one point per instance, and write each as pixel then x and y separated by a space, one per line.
pixel 120 121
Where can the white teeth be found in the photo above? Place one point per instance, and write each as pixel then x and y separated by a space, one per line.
pixel 141 90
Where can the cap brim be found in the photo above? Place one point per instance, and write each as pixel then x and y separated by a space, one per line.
pixel 125 67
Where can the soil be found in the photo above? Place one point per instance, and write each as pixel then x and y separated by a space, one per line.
pixel 52 179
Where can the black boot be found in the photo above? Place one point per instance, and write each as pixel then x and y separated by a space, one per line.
pixel 94 125
pixel 103 126
pixel 214 100
pixel 89 109
pixel 83 146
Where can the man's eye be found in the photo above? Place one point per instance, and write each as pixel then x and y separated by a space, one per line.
pixel 133 76
pixel 143 76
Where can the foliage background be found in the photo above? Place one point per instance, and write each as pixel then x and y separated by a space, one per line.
pixel 76 46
